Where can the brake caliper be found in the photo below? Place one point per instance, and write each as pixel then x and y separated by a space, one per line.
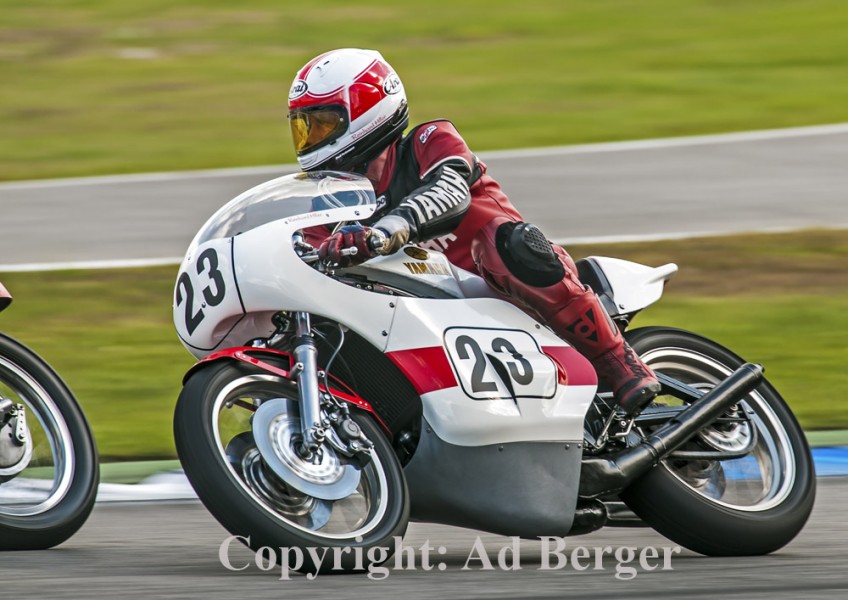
pixel 15 444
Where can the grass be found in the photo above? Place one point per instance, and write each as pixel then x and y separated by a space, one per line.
pixel 107 86
pixel 778 299
pixel 135 471
pixel 109 334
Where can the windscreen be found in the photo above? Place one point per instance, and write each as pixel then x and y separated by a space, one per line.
pixel 287 196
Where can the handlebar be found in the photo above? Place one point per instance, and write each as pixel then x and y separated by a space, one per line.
pixel 309 254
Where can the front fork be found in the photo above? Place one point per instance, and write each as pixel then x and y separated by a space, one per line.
pixel 306 367
pixel 336 427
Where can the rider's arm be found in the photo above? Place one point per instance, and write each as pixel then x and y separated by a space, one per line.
pixel 447 168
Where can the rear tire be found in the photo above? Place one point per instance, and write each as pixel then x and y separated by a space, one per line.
pixel 273 515
pixel 748 506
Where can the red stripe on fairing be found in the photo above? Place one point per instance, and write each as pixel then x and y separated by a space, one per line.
pixel 573 367
pixel 427 368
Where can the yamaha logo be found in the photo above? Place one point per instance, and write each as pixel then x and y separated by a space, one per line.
pixel 416 253
pixel 392 85
pixel 298 89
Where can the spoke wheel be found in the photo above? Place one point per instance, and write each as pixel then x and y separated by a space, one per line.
pixel 749 505
pixel 213 426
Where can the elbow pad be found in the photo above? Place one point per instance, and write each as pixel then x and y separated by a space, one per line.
pixel 437 207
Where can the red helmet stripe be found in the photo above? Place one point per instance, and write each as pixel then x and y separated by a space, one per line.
pixel 367 89
pixel 304 72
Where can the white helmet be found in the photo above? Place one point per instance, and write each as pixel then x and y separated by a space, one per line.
pixel 345 107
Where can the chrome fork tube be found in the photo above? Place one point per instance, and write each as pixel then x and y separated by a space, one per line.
pixel 306 367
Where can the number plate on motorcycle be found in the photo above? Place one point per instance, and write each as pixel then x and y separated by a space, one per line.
pixel 206 295
pixel 500 363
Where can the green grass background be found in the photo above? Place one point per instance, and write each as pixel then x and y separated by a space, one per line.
pixel 776 299
pixel 110 86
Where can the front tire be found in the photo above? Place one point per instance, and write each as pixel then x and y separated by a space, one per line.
pixel 747 506
pixel 212 429
pixel 48 501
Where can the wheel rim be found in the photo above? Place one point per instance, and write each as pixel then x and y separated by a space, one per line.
pixel 48 475
pixel 347 518
pixel 756 482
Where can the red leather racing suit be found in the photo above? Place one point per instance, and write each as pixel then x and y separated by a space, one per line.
pixel 434 186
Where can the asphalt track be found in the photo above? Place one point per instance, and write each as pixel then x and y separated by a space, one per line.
pixel 720 184
pixel 756 181
pixel 170 550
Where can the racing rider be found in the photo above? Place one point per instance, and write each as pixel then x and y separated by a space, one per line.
pixel 348 112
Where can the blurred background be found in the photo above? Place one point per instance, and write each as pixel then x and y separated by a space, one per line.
pixel 104 86
pixel 95 87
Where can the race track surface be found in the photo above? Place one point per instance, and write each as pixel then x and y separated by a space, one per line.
pixel 170 550
pixel 715 184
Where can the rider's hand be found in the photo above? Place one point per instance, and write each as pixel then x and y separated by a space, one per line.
pixel 366 240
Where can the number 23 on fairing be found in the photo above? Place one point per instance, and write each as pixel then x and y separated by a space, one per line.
pixel 500 363
pixel 205 284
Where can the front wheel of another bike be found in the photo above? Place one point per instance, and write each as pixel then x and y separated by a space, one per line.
pixel 759 494
pixel 48 460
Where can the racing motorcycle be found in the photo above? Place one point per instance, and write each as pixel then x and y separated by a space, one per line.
pixel 48 459
pixel 332 405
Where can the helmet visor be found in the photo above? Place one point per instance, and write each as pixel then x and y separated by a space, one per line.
pixel 314 127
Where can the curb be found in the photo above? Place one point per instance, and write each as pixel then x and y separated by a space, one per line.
pixel 831 461
pixel 167 485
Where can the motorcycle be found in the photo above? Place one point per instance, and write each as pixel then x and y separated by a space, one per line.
pixel 48 459
pixel 329 406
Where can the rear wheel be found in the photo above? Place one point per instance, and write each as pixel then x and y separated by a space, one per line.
pixel 754 504
pixel 213 428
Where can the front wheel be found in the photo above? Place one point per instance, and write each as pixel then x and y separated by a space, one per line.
pixel 48 460
pixel 213 429
pixel 750 505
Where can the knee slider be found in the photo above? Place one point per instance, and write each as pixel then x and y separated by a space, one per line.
pixel 528 255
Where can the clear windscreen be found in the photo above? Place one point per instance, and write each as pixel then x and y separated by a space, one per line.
pixel 288 196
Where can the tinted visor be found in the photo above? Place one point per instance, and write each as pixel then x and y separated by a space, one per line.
pixel 314 127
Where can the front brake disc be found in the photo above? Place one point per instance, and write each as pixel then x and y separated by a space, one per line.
pixel 277 432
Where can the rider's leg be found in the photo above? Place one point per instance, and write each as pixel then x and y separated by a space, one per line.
pixel 540 278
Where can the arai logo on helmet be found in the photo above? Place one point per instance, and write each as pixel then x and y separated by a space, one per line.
pixel 392 85
pixel 298 89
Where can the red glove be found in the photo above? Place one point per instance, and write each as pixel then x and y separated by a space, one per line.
pixel 337 247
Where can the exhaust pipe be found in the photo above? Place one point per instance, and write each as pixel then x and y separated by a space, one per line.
pixel 600 476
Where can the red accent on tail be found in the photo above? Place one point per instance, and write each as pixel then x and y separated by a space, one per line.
pixel 5 297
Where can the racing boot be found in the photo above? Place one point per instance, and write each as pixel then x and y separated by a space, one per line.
pixel 519 263
pixel 584 323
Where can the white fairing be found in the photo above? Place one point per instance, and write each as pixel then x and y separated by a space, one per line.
pixel 265 274
pixel 634 286
pixel 541 408
pixel 498 382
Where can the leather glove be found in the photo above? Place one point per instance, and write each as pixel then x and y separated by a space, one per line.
pixel 337 248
